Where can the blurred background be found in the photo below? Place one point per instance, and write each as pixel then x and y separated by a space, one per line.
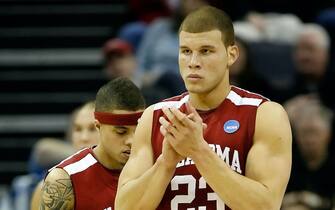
pixel 55 54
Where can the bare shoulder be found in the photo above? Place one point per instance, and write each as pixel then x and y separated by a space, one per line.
pixel 143 130
pixel 272 122
pixel 271 109
pixel 57 191
pixel 147 114
pixel 270 113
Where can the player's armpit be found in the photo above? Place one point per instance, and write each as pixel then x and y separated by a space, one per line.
pixel 57 191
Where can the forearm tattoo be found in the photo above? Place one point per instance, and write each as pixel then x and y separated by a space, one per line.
pixel 57 195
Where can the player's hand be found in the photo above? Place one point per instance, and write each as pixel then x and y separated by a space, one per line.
pixel 183 131
pixel 170 156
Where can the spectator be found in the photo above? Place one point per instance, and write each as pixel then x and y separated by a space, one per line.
pixel 120 60
pixel 311 185
pixel 158 51
pixel 144 12
pixel 268 27
pixel 82 132
pixel 311 57
pixel 242 73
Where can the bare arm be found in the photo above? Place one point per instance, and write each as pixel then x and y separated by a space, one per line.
pixel 36 198
pixel 267 169
pixel 268 163
pixel 57 192
pixel 142 182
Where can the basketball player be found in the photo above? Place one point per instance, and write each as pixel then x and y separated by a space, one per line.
pixel 242 160
pixel 88 179
pixel 82 133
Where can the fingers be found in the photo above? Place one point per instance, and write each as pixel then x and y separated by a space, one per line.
pixel 174 116
pixel 166 127
pixel 181 117
pixel 193 112
pixel 192 117
pixel 179 120
pixel 165 133
pixel 163 130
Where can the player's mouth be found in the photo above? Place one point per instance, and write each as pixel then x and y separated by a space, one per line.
pixel 126 152
pixel 194 77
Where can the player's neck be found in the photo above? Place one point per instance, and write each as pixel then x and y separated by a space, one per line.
pixel 212 99
pixel 107 161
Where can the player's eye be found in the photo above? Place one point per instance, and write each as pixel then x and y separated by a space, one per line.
pixel 92 128
pixel 205 51
pixel 77 128
pixel 121 131
pixel 186 51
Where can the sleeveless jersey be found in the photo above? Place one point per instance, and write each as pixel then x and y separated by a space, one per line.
pixel 229 133
pixel 94 186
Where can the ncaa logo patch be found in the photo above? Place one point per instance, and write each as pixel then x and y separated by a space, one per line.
pixel 231 126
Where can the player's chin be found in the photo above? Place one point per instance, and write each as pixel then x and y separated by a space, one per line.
pixel 124 156
pixel 196 89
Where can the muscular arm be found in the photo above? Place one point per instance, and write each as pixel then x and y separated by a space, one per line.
pixel 36 198
pixel 142 182
pixel 57 192
pixel 267 169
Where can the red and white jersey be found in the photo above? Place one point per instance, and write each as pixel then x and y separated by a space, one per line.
pixel 94 186
pixel 229 133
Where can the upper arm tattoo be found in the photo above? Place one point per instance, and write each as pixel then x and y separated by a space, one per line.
pixel 57 195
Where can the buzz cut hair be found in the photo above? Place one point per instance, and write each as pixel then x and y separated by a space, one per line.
pixel 119 94
pixel 209 18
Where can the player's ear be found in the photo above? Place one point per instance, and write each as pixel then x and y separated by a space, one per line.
pixel 97 124
pixel 233 54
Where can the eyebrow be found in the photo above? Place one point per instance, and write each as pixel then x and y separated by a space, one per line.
pixel 208 46
pixel 203 46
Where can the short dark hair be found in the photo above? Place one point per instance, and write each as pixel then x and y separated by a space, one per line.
pixel 120 93
pixel 209 18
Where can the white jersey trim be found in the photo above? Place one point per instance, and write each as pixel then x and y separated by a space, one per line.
pixel 170 104
pixel 239 101
pixel 66 159
pixel 251 92
pixel 80 165
pixel 232 96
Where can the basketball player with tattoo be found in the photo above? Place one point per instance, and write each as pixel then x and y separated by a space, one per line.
pixel 88 179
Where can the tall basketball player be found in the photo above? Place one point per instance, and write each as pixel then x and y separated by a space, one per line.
pixel 242 160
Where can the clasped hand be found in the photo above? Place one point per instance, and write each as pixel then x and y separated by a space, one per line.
pixel 183 132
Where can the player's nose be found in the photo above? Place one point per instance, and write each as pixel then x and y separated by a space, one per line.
pixel 194 61
pixel 129 140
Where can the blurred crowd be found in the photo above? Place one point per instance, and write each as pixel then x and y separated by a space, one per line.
pixel 287 57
